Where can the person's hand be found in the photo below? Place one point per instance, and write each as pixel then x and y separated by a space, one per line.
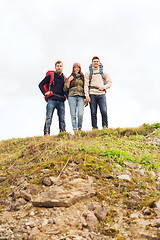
pixel 101 89
pixel 70 78
pixel 47 93
pixel 87 101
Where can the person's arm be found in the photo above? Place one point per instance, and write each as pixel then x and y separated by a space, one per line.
pixel 67 83
pixel 108 81
pixel 65 88
pixel 86 87
pixel 42 83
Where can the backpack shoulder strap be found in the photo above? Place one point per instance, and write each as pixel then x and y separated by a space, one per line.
pixel 51 80
pixel 51 72
pixel 64 78
pixel 101 72
pixel 90 73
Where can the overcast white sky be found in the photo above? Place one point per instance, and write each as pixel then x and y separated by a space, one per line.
pixel 125 34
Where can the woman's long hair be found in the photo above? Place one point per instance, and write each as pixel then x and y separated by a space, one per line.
pixel 72 84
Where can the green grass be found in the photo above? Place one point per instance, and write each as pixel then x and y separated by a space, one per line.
pixel 101 152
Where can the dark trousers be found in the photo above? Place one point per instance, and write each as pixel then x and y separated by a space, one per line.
pixel 98 100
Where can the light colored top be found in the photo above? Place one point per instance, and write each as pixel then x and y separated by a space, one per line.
pixel 96 81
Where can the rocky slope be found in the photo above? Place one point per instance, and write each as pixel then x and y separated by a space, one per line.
pixel 98 185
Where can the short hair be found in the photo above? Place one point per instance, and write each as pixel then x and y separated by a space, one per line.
pixel 58 62
pixel 95 57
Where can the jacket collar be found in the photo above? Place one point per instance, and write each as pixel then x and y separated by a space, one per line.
pixel 57 75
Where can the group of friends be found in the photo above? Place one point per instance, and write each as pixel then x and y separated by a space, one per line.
pixel 80 90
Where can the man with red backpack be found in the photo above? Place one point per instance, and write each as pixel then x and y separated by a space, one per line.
pixel 96 83
pixel 52 88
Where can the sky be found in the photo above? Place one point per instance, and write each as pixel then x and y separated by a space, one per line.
pixel 125 34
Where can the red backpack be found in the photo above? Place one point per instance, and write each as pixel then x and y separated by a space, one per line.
pixel 48 87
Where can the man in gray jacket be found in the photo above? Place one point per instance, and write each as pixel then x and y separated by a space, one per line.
pixel 96 83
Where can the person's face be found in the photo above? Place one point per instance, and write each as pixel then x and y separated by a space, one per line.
pixel 95 63
pixel 76 69
pixel 59 68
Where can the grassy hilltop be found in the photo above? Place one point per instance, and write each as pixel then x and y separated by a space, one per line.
pixel 104 155
pixel 101 151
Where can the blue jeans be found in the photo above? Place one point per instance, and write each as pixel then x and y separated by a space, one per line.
pixel 98 100
pixel 51 106
pixel 76 105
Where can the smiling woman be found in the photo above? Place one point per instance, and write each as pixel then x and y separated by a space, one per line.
pixel 74 85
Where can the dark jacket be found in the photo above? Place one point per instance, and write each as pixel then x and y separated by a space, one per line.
pixel 56 87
